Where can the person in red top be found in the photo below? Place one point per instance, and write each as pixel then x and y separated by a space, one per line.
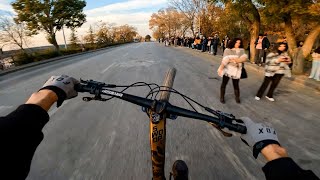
pixel 262 44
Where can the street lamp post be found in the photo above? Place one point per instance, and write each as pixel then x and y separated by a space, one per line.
pixel 64 37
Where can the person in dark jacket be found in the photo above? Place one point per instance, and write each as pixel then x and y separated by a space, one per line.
pixel 204 44
pixel 225 42
pixel 266 45
pixel 21 134
pixel 215 43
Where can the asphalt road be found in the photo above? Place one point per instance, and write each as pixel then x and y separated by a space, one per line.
pixel 109 140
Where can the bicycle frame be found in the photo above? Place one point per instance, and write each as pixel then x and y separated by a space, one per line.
pixel 158 129
pixel 157 144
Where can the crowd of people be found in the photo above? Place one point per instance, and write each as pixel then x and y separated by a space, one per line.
pixel 275 59
pixel 201 43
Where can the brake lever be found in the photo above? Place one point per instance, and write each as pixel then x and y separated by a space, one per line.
pixel 226 134
pixel 223 117
pixel 87 99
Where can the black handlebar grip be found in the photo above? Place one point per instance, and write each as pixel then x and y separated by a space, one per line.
pixel 237 128
pixel 241 129
pixel 81 88
pixel 78 87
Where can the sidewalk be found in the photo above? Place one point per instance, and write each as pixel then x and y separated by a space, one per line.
pixel 301 80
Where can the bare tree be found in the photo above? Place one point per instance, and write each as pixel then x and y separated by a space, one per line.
pixel 189 10
pixel 12 33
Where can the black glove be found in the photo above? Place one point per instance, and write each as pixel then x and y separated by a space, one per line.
pixel 258 135
pixel 63 86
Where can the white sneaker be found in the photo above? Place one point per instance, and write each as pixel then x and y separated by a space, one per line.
pixel 257 98
pixel 270 99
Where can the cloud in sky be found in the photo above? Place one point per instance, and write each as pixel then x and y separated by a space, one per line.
pixel 126 7
pixel 5 5
pixel 133 12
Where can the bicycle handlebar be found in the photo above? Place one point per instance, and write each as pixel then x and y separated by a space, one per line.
pixel 98 89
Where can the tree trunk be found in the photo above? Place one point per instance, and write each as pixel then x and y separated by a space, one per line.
pixel 192 29
pixel 302 53
pixel 297 57
pixel 54 42
pixel 254 33
pixel 292 44
pixel 298 61
pixel 310 41
pixel 254 28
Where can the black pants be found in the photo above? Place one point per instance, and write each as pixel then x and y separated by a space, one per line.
pixel 274 83
pixel 225 81
pixel 264 56
pixel 259 56
pixel 215 49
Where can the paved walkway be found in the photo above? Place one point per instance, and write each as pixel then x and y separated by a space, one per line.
pixel 302 80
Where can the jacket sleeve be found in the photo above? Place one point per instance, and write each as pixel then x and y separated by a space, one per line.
pixel 20 135
pixel 272 59
pixel 286 168
pixel 267 45
pixel 243 54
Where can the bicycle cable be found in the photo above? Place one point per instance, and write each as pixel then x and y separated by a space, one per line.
pixel 157 89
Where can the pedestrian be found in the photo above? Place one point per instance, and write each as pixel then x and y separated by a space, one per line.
pixel 231 67
pixel 196 42
pixel 276 67
pixel 200 44
pixel 315 71
pixel 191 41
pixel 167 42
pixel 261 44
pixel 225 42
pixel 215 44
pixel 175 41
pixel 204 44
pixel 209 45
pixel 265 47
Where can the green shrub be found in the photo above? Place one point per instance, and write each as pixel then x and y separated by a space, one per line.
pixel 22 58
pixel 44 54
pixel 71 51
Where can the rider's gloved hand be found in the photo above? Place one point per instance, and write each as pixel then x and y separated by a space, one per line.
pixel 63 86
pixel 258 135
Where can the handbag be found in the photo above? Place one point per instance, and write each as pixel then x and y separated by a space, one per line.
pixel 244 74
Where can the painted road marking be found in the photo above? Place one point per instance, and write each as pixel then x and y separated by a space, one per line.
pixel 108 68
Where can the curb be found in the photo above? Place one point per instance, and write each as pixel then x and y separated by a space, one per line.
pixel 33 64
pixel 296 79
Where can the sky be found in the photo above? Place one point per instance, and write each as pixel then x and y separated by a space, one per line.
pixel 133 12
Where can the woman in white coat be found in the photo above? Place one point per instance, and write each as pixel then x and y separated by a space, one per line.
pixel 231 67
